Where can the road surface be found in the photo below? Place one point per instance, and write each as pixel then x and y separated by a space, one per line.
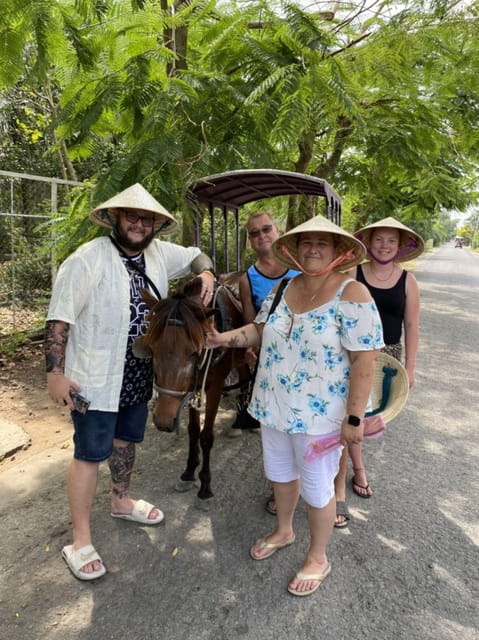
pixel 405 569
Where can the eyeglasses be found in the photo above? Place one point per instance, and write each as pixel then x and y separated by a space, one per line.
pixel 146 221
pixel 254 233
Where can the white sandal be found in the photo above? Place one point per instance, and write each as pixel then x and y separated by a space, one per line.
pixel 76 560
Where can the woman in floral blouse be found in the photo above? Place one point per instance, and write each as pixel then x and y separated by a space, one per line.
pixel 316 366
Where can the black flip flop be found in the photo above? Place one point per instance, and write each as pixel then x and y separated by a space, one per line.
pixel 342 510
pixel 355 484
pixel 268 507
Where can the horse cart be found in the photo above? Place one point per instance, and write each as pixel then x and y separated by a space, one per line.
pixel 225 193
pixel 187 373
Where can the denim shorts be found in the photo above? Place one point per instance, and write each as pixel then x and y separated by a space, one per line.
pixel 95 430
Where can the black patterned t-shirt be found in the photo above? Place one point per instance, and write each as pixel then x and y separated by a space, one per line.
pixel 137 384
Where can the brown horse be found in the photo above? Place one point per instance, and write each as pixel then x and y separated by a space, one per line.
pixel 183 367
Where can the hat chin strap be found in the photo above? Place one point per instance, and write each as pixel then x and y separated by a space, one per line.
pixel 165 225
pixel 412 244
pixel 349 255
pixel 106 214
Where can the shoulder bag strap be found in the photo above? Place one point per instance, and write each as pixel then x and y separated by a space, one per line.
pixel 274 304
pixel 137 268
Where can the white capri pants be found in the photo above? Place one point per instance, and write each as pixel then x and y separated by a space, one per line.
pixel 284 461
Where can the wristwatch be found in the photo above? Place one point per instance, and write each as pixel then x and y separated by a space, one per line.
pixel 354 421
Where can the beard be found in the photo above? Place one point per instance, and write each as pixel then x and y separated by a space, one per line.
pixel 123 240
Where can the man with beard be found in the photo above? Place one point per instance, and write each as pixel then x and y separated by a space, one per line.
pixel 95 314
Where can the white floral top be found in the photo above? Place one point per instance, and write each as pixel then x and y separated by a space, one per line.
pixel 302 381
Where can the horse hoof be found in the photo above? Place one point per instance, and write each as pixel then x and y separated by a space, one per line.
pixel 204 505
pixel 182 486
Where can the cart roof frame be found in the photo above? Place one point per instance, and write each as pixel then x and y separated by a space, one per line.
pixel 230 190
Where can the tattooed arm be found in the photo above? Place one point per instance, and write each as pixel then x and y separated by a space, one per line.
pixel 56 338
pixel 241 338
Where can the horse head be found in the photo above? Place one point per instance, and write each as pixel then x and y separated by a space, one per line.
pixel 176 340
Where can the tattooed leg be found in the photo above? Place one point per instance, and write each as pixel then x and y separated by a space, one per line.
pixel 121 467
pixel 121 464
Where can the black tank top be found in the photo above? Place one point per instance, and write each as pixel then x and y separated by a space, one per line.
pixel 390 303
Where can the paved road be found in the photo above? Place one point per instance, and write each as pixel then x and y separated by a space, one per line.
pixel 406 569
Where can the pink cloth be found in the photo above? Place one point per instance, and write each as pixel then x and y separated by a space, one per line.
pixel 373 428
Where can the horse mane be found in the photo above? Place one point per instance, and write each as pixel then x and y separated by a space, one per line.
pixel 182 309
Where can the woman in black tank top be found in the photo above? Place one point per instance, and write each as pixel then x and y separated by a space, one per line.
pixel 396 294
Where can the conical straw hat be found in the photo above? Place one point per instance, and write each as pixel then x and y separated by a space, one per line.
pixel 135 197
pixel 393 395
pixel 347 242
pixel 411 243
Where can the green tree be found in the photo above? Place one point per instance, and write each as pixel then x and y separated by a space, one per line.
pixel 381 102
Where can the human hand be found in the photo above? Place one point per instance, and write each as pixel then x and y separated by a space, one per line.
pixel 251 357
pixel 213 338
pixel 350 434
pixel 59 386
pixel 207 286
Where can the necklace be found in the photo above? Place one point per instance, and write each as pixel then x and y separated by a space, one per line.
pixel 381 279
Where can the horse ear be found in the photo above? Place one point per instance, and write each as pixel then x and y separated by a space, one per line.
pixel 148 298
pixel 140 350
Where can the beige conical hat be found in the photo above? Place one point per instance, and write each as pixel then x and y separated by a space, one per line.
pixel 396 390
pixel 411 243
pixel 135 197
pixel 347 242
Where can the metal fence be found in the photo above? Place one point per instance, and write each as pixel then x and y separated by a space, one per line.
pixel 26 203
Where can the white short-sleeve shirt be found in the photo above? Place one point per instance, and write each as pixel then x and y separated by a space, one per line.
pixel 92 294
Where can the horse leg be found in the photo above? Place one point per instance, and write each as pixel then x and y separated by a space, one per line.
pixel 187 478
pixel 207 438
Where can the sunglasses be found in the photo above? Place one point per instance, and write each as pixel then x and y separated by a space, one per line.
pixel 254 233
pixel 146 221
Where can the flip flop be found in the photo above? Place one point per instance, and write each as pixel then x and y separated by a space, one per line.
pixel 355 484
pixel 302 577
pixel 140 513
pixel 270 546
pixel 76 560
pixel 268 505
pixel 342 510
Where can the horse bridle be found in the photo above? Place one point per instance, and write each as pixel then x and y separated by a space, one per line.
pixel 195 398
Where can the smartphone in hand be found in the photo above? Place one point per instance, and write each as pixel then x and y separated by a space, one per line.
pixel 80 403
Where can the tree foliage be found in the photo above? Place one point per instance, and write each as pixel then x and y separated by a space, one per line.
pixel 380 100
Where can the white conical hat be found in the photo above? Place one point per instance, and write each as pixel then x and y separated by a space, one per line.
pixel 411 243
pixel 135 197
pixel 347 242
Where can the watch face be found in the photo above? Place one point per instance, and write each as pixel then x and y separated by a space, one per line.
pixel 354 421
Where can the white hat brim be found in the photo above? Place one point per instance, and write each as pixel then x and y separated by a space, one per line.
pixel 138 198
pixel 319 224
pixel 407 235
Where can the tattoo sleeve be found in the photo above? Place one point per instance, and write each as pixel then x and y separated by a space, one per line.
pixel 121 464
pixel 56 338
pixel 201 263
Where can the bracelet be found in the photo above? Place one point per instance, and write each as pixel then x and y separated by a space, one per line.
pixel 209 273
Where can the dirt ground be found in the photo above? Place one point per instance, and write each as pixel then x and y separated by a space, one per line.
pixel 24 400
